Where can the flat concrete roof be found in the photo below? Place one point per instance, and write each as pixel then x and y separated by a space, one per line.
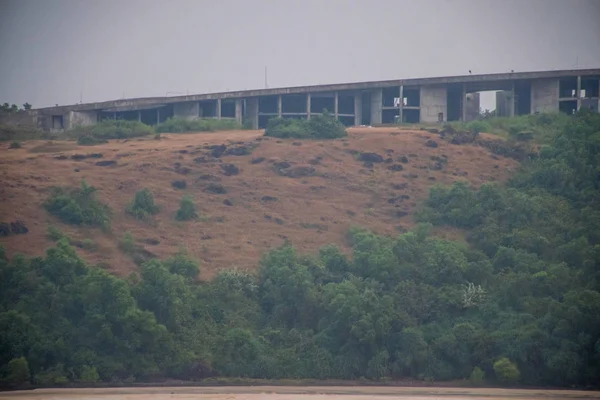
pixel 482 80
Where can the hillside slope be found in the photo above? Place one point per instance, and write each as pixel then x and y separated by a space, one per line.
pixel 311 201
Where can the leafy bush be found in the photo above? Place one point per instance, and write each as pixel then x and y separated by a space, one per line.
pixel 323 126
pixel 478 127
pixel 181 125
pixel 477 376
pixel 89 244
pixel 15 145
pixel 54 233
pixel 88 374
pixel 109 129
pixel 506 371
pixel 143 205
pixel 18 133
pixel 17 372
pixel 78 206
pixel 127 243
pixel 187 209
pixel 183 265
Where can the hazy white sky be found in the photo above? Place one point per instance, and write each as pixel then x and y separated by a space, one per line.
pixel 54 51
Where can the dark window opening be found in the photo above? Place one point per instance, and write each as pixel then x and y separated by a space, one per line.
pixel 389 116
pixel 568 106
pixel 208 109
pixel 227 109
pixel 149 116
pixel 412 116
pixel 346 120
pixel 318 104
pixel 293 103
pixel 412 97
pixel 590 87
pixel 57 122
pixel 389 94
pixel 267 105
pixel 567 87
pixel 345 104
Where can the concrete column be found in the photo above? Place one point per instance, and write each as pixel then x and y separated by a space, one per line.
pixel 139 116
pixel 335 104
pixel 218 110
pixel 357 109
pixel 188 111
pixel 578 92
pixel 157 116
pixel 252 111
pixel 401 105
pixel 238 111
pixel 376 106
pixel 512 102
pixel 464 104
pixel 115 115
pixel 308 106
pixel 279 106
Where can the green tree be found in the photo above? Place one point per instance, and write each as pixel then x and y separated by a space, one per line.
pixel 17 372
pixel 506 371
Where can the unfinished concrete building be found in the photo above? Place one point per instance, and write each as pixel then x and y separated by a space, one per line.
pixel 426 100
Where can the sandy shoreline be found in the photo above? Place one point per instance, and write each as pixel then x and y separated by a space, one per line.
pixel 295 393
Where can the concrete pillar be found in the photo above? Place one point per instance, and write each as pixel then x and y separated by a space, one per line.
pixel 279 106
pixel 335 104
pixel 157 116
pixel 114 115
pixel 578 92
pixel 308 106
pixel 512 102
pixel 139 116
pixel 357 109
pixel 238 111
pixel 464 104
pixel 252 111
pixel 376 106
pixel 218 110
pixel 401 105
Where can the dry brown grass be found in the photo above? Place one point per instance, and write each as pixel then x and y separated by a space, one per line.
pixel 341 194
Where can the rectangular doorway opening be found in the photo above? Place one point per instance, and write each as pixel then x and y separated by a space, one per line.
pixel 568 106
pixel 57 122
pixel 453 103
pixel 389 116
pixel 412 116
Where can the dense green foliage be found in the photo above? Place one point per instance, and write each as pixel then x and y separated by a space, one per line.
pixel 542 127
pixel 187 209
pixel 109 129
pixel 323 126
pixel 180 125
pixel 143 205
pixel 517 303
pixel 78 206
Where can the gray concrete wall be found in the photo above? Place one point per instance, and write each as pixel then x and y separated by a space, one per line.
pixel 187 111
pixel 544 95
pixel 433 102
pixel 80 118
pixel 22 118
pixel 376 106
pixel 503 103
pixel 252 111
pixel 472 106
